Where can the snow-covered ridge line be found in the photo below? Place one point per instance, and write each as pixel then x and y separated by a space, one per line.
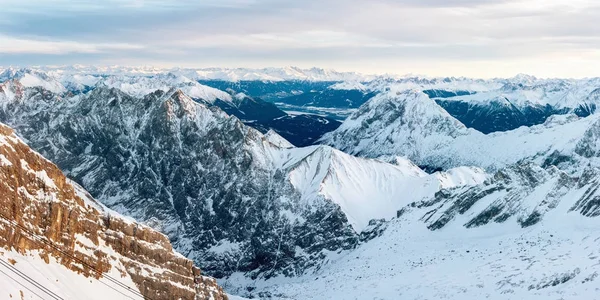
pixel 227 74
pixel 367 189
pixel 274 74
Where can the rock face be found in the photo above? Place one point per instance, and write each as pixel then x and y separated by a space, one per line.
pixel 524 193
pixel 44 214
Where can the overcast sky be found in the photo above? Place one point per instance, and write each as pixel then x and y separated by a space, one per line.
pixel 478 38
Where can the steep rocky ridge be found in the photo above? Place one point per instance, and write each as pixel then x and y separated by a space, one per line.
pixel 45 215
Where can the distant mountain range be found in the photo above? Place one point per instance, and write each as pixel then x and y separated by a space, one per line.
pixel 227 74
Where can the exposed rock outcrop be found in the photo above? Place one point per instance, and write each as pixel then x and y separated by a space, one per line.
pixel 43 213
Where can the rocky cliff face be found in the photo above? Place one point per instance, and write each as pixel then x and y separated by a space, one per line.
pixel 44 214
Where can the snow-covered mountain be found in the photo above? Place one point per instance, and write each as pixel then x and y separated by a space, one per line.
pixel 408 123
pixel 33 78
pixel 228 74
pixel 489 105
pixel 362 187
pixel 59 243
pixel 526 233
pixel 228 197
pixel 140 86
pixel 253 111
pixel 358 216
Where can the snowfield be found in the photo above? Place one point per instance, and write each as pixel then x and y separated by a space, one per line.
pixel 58 280
pixel 557 259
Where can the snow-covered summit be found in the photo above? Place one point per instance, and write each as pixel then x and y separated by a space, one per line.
pixel 140 86
pixel 396 123
pixel 33 78
pixel 411 124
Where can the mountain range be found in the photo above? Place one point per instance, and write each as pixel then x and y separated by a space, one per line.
pixel 156 158
pixel 429 188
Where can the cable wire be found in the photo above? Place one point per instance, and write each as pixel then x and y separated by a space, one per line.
pixel 115 281
pixel 19 283
pixel 30 280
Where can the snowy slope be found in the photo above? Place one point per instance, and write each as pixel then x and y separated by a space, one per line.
pixel 368 189
pixel 526 233
pixel 554 261
pixel 55 277
pixel 277 140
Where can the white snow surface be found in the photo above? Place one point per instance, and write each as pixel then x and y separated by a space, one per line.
pixel 498 263
pixel 58 279
pixel 367 189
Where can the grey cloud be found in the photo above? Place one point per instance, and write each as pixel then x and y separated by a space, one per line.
pixel 219 32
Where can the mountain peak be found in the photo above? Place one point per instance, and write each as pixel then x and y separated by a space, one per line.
pixel 395 122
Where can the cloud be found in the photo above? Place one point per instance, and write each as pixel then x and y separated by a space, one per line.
pixel 11 45
pixel 381 35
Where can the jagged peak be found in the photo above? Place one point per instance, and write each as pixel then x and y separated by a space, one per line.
pixel 523 78
pixel 274 138
pixel 103 90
